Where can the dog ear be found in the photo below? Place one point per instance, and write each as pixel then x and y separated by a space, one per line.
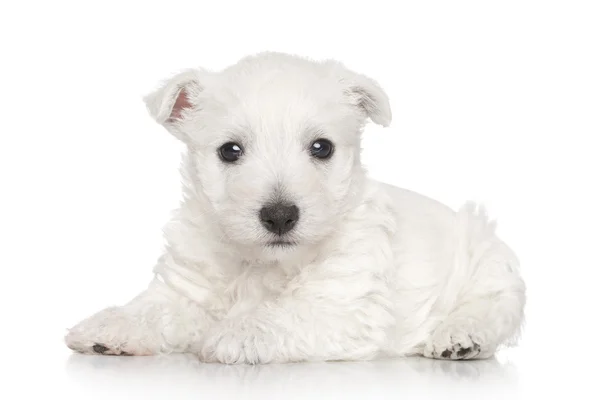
pixel 366 94
pixel 175 97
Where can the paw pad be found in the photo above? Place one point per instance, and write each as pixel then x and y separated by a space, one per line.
pixel 457 352
pixel 102 349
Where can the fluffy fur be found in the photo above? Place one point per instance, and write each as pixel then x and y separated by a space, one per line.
pixel 374 271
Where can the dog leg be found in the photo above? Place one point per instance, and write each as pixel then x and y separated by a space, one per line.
pixel 307 326
pixel 338 309
pixel 488 306
pixel 157 320
pixel 481 306
pixel 476 328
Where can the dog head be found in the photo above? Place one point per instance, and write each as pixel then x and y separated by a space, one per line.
pixel 274 144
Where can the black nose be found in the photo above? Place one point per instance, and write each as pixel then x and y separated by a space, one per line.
pixel 279 218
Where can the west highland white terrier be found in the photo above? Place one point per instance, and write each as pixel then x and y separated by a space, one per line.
pixel 283 250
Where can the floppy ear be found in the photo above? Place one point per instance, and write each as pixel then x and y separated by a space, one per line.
pixel 170 103
pixel 366 94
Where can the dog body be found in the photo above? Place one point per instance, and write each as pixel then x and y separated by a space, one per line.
pixel 283 249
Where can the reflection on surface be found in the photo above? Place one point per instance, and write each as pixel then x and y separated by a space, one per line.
pixel 179 375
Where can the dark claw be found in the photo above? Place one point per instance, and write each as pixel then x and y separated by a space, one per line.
pixel 100 349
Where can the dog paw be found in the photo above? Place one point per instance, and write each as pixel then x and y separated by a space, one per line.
pixel 452 344
pixel 110 332
pixel 108 351
pixel 237 342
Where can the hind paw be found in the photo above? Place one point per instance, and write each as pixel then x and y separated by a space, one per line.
pixel 453 345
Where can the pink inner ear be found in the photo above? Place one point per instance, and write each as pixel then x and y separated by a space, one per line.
pixel 181 103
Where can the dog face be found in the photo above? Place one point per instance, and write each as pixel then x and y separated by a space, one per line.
pixel 273 144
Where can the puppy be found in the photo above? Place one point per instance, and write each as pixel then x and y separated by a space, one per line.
pixel 283 250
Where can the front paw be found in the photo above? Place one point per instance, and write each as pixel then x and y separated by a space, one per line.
pixel 110 332
pixel 239 341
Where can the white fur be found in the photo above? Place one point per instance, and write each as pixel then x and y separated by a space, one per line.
pixel 376 271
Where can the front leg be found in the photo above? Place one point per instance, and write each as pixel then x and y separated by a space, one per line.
pixel 337 309
pixel 158 320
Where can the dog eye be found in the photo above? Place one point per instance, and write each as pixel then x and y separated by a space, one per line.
pixel 230 152
pixel 321 148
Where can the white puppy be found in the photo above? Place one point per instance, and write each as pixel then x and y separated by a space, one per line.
pixel 284 250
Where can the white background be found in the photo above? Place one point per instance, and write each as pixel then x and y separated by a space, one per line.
pixel 497 102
